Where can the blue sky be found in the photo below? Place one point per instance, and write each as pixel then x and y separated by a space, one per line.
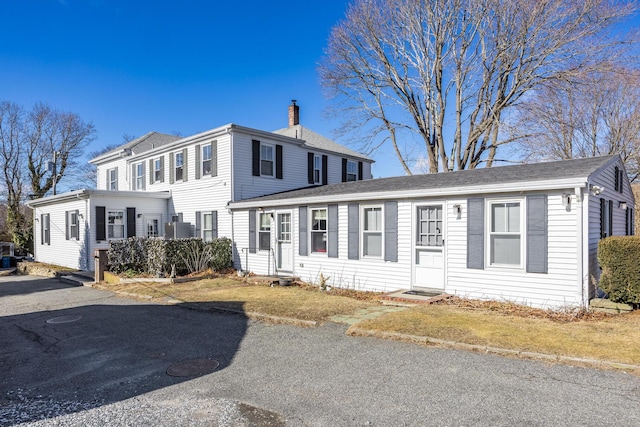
pixel 131 67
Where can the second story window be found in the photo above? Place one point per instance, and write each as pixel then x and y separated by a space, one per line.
pixel 266 160
pixel 206 159
pixel 139 176
pixel 157 170
pixel 179 165
pixel 112 179
pixel 352 171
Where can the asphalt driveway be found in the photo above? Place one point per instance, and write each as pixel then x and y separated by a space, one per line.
pixel 79 356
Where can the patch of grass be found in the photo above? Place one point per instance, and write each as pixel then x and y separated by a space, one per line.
pixel 290 301
pixel 611 338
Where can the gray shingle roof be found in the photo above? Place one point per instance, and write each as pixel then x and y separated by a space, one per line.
pixel 315 140
pixel 145 143
pixel 525 173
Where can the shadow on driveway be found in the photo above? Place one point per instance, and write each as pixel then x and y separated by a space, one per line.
pixel 25 285
pixel 107 353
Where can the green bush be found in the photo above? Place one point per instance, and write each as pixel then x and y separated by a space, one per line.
pixel 619 257
pixel 157 255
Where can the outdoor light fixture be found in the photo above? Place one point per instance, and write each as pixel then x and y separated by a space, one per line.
pixel 566 200
pixel 457 209
pixel 595 190
pixel 622 205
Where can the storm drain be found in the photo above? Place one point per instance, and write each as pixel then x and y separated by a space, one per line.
pixel 189 368
pixel 64 319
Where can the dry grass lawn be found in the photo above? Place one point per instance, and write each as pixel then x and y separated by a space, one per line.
pixel 611 338
pixel 304 303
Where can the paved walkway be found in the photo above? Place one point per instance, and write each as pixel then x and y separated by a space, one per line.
pixel 367 313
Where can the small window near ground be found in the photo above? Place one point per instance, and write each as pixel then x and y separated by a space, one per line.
pixel 372 231
pixel 264 234
pixel 319 230
pixel 115 224
pixel 207 227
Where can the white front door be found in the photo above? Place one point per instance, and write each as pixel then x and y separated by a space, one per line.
pixel 428 265
pixel 284 245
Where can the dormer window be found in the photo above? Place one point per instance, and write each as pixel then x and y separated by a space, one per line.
pixel 352 171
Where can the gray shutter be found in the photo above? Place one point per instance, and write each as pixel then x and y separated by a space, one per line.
pixel 214 224
pixel 279 161
pixel 353 226
pixel 325 169
pixel 172 168
pixel 255 157
pixel 332 231
pixel 151 171
pixel 101 223
pixel 77 235
pixel 214 158
pixel 475 233
pixel 252 232
pixel 185 171
pixel 131 222
pixel 602 207
pixel 344 170
pixel 161 168
pixel 391 231
pixel 66 225
pixel 198 224
pixel 302 231
pixel 198 165
pixel 310 177
pixel 537 234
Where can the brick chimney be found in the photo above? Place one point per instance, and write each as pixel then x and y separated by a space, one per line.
pixel 294 114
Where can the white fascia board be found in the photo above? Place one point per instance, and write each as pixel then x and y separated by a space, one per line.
pixel 565 184
pixel 88 193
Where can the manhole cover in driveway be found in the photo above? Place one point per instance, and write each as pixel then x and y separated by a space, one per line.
pixel 64 319
pixel 189 368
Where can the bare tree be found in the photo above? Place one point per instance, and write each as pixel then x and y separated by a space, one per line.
pixel 54 136
pixel 12 137
pixel 597 115
pixel 451 70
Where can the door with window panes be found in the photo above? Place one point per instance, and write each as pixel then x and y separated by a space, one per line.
pixel 284 245
pixel 428 263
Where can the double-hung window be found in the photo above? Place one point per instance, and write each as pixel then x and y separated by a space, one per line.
pixel 157 170
pixel 112 179
pixel 115 224
pixel 317 169
pixel 266 160
pixel 319 230
pixel 179 166
pixel 352 171
pixel 264 234
pixel 206 159
pixel 505 233
pixel 139 176
pixel 46 234
pixel 207 227
pixel 72 224
pixel 372 231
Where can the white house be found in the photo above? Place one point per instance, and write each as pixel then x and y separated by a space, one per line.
pixel 525 233
pixel 188 182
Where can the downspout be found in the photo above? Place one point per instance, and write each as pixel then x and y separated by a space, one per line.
pixel 582 244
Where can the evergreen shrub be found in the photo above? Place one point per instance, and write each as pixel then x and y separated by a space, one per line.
pixel 619 258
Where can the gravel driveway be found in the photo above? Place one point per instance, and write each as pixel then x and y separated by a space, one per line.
pixel 103 361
